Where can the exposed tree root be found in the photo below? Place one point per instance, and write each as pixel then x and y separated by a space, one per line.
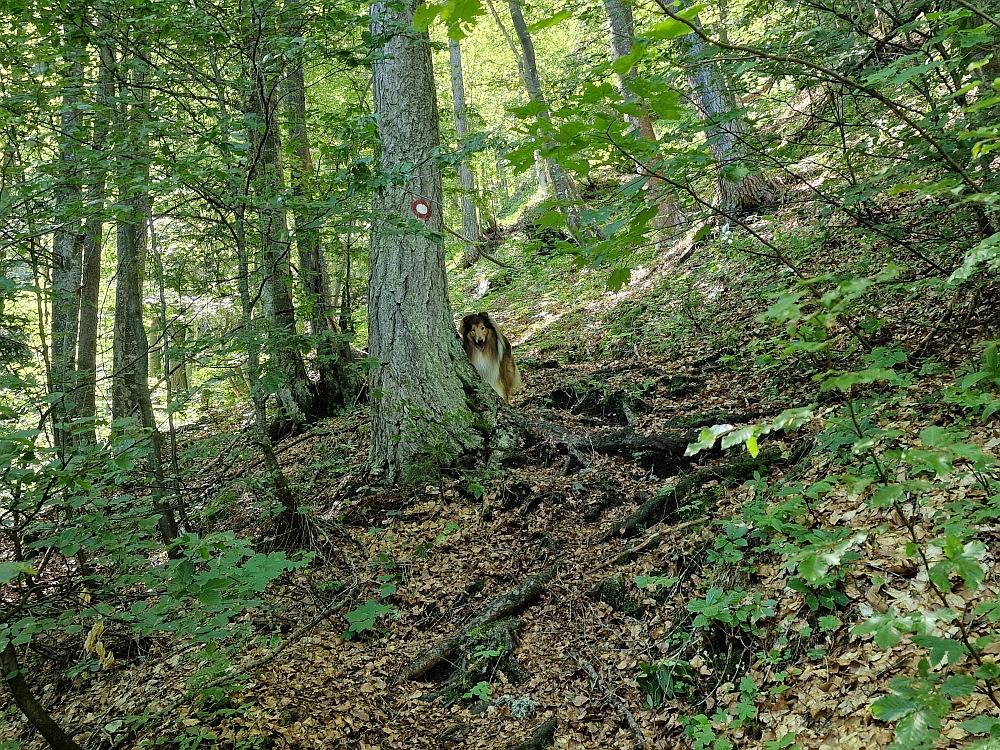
pixel 610 697
pixel 672 498
pixel 506 605
pixel 541 739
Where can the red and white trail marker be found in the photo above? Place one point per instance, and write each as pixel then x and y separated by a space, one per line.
pixel 421 209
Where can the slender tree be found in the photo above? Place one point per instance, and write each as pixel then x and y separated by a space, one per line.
pixel 67 240
pixel 561 184
pixel 470 219
pixel 336 386
pixel 419 406
pixel 621 29
pixel 295 396
pixel 738 187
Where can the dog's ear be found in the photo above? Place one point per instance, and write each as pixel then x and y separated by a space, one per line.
pixel 487 321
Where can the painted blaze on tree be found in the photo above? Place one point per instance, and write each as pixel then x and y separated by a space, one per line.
pixel 419 408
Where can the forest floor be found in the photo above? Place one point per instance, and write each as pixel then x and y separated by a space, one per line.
pixel 667 353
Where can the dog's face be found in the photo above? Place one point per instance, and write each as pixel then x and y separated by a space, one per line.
pixel 477 332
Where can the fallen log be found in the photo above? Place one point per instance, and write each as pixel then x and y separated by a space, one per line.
pixel 503 606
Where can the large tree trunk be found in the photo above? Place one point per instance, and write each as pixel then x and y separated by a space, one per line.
pixel 295 397
pixel 561 184
pixel 470 221
pixel 336 387
pixel 738 190
pixel 621 28
pixel 419 405
pixel 67 244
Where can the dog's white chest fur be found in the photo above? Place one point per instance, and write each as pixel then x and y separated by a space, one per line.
pixel 488 367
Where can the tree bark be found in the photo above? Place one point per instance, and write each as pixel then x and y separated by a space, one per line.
pixel 130 377
pixel 419 409
pixel 29 704
pixel 67 243
pixel 737 191
pixel 470 220
pixel 295 397
pixel 561 184
pixel 621 29
pixel 93 246
pixel 336 387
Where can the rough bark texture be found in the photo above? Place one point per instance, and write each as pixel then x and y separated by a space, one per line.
pixel 419 404
pixel 470 220
pixel 294 395
pixel 725 133
pixel 621 28
pixel 93 248
pixel 130 395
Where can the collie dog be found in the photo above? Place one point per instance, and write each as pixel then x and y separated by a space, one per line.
pixel 489 352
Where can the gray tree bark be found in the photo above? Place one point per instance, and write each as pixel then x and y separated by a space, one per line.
pixel 561 185
pixel 726 135
pixel 419 405
pixel 621 29
pixel 93 245
pixel 130 396
pixel 67 243
pixel 470 219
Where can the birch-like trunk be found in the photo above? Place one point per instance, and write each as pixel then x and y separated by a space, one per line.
pixel 419 407
pixel 67 244
pixel 621 29
pixel 726 134
pixel 470 219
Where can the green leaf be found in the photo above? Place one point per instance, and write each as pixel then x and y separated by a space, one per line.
pixel 982 725
pixel 893 707
pixel 941 648
pixel 844 381
pixel 551 20
pixel 9 571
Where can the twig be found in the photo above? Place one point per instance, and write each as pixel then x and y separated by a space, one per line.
pixel 610 697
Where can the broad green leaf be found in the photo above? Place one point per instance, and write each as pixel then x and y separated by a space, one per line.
pixel 892 707
pixel 9 571
pixel 551 20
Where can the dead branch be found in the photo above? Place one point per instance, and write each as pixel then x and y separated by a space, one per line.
pixel 610 697
pixel 541 739
pixel 503 606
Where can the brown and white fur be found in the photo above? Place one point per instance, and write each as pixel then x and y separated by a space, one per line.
pixel 489 351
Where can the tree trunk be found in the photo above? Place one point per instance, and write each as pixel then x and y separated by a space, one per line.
pixel 26 701
pixel 93 247
pixel 295 397
pixel 419 409
pixel 561 185
pixel 67 244
pixel 336 387
pixel 130 396
pixel 739 190
pixel 621 28
pixel 470 221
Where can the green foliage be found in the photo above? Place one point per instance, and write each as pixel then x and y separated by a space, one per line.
pixel 663 680
pixel 363 617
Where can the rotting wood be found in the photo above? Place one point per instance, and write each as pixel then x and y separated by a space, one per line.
pixel 506 605
pixel 610 697
pixel 542 737
pixel 654 507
